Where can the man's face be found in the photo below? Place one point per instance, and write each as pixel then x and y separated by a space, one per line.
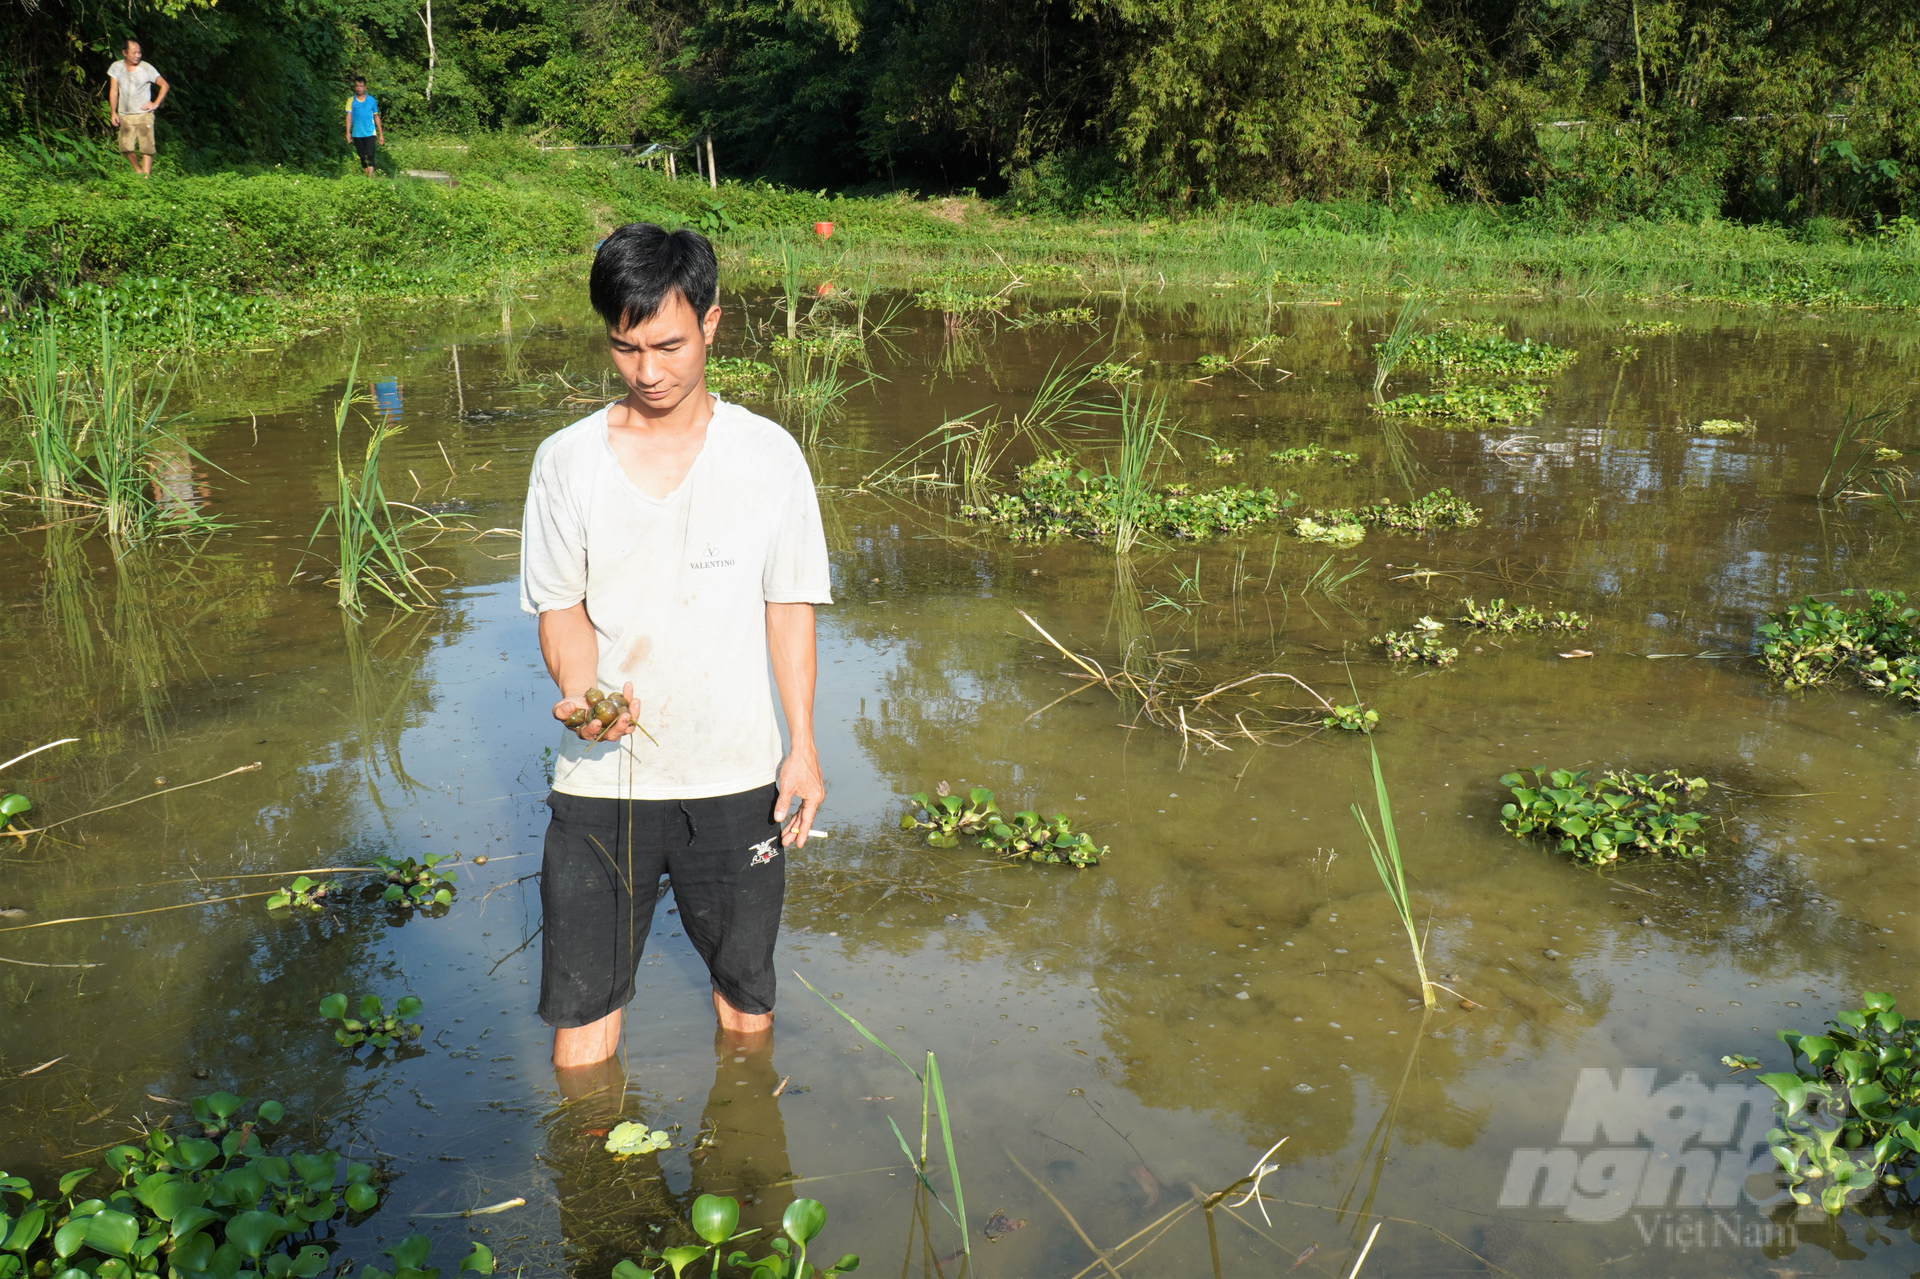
pixel 133 55
pixel 359 88
pixel 664 360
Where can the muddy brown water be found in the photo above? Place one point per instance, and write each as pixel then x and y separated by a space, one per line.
pixel 1131 1035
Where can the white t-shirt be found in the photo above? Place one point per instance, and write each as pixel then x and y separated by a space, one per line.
pixel 676 588
pixel 136 85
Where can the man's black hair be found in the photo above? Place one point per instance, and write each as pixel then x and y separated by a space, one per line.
pixel 359 79
pixel 132 40
pixel 640 264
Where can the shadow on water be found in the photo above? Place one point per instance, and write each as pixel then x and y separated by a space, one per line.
pixel 1118 1044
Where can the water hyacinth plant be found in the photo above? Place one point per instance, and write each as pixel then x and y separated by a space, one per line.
pixel 198 1201
pixel 1878 643
pixel 1601 820
pixel 1309 453
pixel 1507 619
pixel 1421 643
pixel 303 893
pixel 1024 836
pixel 716 1219
pixel 1850 1116
pixel 1057 498
pixel 1455 352
pixel 372 1024
pixel 1328 532
pixel 416 882
pixel 732 377
pixel 1519 403
pixel 1439 509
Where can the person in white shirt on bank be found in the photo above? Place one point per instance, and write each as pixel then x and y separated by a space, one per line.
pixel 131 103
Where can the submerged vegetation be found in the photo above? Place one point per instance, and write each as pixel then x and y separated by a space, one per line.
pixel 1810 643
pixel 1599 820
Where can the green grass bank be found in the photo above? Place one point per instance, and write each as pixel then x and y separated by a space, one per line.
pixel 202 262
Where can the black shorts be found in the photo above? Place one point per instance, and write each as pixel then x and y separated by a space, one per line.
pixel 365 147
pixel 600 881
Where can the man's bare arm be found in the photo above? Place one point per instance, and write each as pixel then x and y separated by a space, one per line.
pixel 572 653
pixel 795 659
pixel 161 81
pixel 113 102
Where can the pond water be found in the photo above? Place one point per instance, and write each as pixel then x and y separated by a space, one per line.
pixel 1113 1041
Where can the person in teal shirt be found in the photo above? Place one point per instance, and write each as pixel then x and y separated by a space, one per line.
pixel 364 126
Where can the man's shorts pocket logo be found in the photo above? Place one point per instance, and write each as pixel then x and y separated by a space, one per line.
pixel 765 851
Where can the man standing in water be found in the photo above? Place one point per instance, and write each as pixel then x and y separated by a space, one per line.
pixel 131 104
pixel 672 548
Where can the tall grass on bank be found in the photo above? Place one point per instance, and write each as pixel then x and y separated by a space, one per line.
pixel 933 1098
pixel 1385 847
pixel 373 555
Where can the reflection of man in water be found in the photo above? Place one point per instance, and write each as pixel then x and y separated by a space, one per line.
pixel 609 1205
pixel 672 547
pixel 386 399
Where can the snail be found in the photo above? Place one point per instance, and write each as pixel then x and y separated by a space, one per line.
pixel 601 709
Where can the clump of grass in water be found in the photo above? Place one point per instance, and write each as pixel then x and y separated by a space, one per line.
pixel 1868 432
pixel 816 394
pixel 374 557
pixel 933 1095
pixel 49 406
pixel 1385 847
pixel 1723 426
pixel 971 448
pixel 1388 354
